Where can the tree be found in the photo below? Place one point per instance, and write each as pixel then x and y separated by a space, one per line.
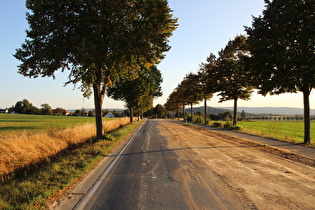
pixel 25 107
pixel 243 115
pixel 21 106
pixel 77 112
pixel 174 102
pixel 140 92
pixel 60 111
pixel 159 111
pixel 91 113
pixel 46 109
pixel 149 113
pixel 98 42
pixel 207 80
pixel 226 116
pixel 144 104
pixel 282 43
pixel 232 76
pixel 190 90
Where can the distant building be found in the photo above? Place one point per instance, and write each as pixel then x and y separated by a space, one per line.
pixel 5 111
pixel 84 114
pixel 109 114
pixel 60 112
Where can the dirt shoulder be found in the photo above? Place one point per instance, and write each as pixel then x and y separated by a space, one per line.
pixel 305 155
pixel 260 177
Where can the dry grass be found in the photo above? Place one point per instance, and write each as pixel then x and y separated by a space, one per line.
pixel 23 150
pixel 114 124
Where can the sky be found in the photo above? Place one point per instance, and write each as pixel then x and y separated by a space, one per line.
pixel 205 26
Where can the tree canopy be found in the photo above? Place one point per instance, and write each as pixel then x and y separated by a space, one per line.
pixel 174 102
pixel 282 43
pixel 25 107
pixel 233 77
pixel 207 79
pixel 140 92
pixel 226 75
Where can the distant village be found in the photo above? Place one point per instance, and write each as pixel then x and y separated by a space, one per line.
pixel 25 107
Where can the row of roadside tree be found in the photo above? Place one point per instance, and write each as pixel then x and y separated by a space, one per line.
pixel 276 56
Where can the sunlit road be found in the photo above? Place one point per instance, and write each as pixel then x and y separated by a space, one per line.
pixel 172 166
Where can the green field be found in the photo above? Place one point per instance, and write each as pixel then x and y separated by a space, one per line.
pixel 292 131
pixel 22 123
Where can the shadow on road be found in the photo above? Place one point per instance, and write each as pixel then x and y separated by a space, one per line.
pixel 181 149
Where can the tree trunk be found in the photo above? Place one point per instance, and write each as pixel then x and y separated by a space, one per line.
pixel 131 113
pixel 191 111
pixel 235 111
pixel 98 102
pixel 307 133
pixel 184 112
pixel 205 103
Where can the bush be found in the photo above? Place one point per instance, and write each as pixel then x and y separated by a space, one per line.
pixel 188 119
pixel 217 124
pixel 208 121
pixel 109 137
pixel 236 127
pixel 227 125
pixel 198 119
pixel 230 126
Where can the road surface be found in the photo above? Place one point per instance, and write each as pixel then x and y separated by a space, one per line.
pixel 171 165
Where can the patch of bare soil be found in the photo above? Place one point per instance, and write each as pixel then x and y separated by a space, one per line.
pixel 248 175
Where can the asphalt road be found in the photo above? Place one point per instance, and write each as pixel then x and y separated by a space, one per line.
pixel 172 165
pixel 144 178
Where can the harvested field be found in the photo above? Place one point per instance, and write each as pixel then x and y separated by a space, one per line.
pixel 21 150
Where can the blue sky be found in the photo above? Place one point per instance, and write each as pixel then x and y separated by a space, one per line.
pixel 204 26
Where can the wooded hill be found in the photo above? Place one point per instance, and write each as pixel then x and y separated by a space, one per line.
pixel 254 111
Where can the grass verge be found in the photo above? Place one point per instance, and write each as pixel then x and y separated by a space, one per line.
pixel 35 190
pixel 288 131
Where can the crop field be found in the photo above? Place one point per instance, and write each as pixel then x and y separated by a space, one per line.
pixel 17 124
pixel 291 131
pixel 29 139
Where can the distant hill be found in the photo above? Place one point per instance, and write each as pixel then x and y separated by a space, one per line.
pixel 256 110
pixel 210 110
pixel 273 110
pixel 250 111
